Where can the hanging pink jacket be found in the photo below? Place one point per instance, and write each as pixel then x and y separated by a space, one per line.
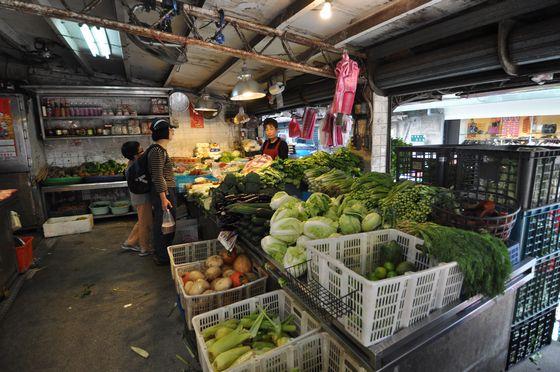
pixel 347 72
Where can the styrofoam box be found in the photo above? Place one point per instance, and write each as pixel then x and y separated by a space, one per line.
pixel 192 252
pixel 58 226
pixel 194 305
pixel 278 303
pixel 317 352
pixel 380 308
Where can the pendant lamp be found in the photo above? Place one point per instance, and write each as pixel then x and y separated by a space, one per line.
pixel 246 88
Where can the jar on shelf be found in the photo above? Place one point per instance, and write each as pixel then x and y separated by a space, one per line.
pixel 124 129
pixel 107 129
pixel 90 131
pixel 133 127
pixel 99 131
pixel 145 127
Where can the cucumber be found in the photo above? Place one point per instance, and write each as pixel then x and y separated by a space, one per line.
pixel 264 213
pixel 259 221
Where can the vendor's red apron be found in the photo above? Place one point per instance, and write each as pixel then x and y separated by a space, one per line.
pixel 272 152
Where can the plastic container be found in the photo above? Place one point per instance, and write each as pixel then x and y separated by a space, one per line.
pixel 99 208
pixel 514 250
pixel 537 231
pixel 530 336
pixel 194 305
pixel 168 222
pixel 527 173
pixel 24 254
pixel 318 352
pixel 380 308
pixel 120 207
pixel 58 226
pixel 61 181
pixel 430 165
pixel 180 254
pixel 278 303
pixel 540 292
pixel 499 226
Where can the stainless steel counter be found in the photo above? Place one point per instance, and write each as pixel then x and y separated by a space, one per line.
pixel 84 186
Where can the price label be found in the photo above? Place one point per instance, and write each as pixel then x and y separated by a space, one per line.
pixel 228 239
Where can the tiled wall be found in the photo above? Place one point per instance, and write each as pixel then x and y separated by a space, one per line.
pixel 74 152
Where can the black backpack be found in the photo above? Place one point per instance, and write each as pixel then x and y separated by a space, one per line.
pixel 138 174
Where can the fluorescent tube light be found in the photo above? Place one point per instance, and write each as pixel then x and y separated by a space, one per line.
pixel 100 37
pixel 88 37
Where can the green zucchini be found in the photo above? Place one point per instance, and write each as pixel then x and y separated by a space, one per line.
pixel 259 221
pixel 264 213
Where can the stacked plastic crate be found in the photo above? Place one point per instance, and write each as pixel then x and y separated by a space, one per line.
pixel 532 176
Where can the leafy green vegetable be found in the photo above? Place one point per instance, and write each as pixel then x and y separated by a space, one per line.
pixel 319 227
pixel 371 222
pixel 295 256
pixel 408 202
pixel 371 188
pixel 276 248
pixel 280 198
pixel 349 224
pixel 317 204
pixel 286 229
pixel 482 258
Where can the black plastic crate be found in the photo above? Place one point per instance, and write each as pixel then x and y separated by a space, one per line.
pixel 538 231
pixel 514 250
pixel 530 336
pixel 527 173
pixel 430 165
pixel 540 292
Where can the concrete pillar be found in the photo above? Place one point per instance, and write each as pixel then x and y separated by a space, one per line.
pixel 379 133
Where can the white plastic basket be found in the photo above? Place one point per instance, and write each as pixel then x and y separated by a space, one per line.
pixel 317 352
pixel 380 308
pixel 278 303
pixel 194 305
pixel 191 252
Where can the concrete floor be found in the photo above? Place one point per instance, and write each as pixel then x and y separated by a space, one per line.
pixel 550 361
pixel 54 326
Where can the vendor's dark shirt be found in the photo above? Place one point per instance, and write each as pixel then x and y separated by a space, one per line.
pixel 282 148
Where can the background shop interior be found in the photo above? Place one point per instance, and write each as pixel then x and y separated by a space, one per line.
pixel 78 78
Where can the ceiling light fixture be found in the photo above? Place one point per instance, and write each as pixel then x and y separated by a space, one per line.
pixel 100 37
pixel 96 39
pixel 246 88
pixel 205 104
pixel 326 11
pixel 88 37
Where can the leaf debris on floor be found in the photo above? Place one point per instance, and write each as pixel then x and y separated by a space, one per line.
pixel 143 353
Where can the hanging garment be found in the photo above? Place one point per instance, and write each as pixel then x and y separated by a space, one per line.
pixel 328 128
pixel 347 72
pixel 309 119
pixel 294 131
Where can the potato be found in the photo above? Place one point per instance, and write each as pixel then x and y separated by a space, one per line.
pixel 223 284
pixel 188 286
pixel 213 273
pixel 195 275
pixel 214 261
pixel 228 273
pixel 198 287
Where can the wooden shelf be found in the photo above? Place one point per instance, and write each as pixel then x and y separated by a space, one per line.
pixel 106 117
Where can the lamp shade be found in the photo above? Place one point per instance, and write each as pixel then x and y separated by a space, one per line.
pixel 246 88
pixel 205 104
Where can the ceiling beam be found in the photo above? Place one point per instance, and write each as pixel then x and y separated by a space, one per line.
pixel 294 10
pixel 16 44
pixel 163 36
pixel 77 55
pixel 122 17
pixel 175 68
pixel 382 15
pixel 480 17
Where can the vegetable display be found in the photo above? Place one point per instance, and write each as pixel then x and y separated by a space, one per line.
pixel 393 265
pixel 233 342
pixel 483 259
pixel 371 188
pixel 217 276
pixel 408 202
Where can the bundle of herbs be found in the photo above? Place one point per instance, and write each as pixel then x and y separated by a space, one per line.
pixel 482 258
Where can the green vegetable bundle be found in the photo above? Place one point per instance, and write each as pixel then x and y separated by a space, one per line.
pixel 408 202
pixel 371 188
pixel 333 183
pixel 482 258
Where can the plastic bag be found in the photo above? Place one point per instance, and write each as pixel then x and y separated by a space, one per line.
pixel 294 130
pixel 168 223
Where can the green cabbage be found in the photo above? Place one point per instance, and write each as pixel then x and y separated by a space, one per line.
pixel 371 222
pixel 280 198
pixel 300 242
pixel 335 235
pixel 275 248
pixel 317 204
pixel 319 227
pixel 355 208
pixel 349 224
pixel 290 209
pixel 295 256
pixel 332 213
pixel 286 229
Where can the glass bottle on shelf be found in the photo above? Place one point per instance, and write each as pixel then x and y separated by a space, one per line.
pixel 56 110
pixel 49 108
pixel 63 108
pixel 44 107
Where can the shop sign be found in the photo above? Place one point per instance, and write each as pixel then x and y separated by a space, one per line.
pixel 417 138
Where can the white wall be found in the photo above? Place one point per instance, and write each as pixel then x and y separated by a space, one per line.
pixel 75 152
pixel 431 126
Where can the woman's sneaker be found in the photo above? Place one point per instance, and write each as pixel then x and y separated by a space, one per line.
pixel 131 248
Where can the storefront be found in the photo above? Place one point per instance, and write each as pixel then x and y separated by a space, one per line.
pixel 139 132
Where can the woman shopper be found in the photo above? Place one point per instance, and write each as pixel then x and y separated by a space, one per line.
pixel 274 146
pixel 139 238
pixel 162 191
